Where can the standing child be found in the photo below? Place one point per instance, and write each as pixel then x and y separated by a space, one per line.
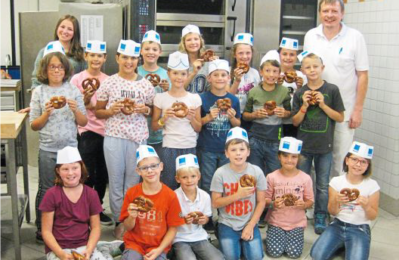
pixel 216 121
pixel 91 136
pixel 56 108
pixel 191 241
pixel 266 129
pixel 124 100
pixel 151 49
pixel 240 206
pixel 316 108
pixel 354 203
pixel 151 211
pixel 178 113
pixel 289 194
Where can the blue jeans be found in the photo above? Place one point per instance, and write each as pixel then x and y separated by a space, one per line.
pixel 355 238
pixel 209 162
pixel 264 155
pixel 191 250
pixel 231 244
pixel 322 163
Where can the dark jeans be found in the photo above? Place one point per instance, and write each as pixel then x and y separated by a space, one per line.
pixel 91 150
pixel 264 155
pixel 209 163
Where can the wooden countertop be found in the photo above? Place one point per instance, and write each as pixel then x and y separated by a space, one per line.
pixel 11 124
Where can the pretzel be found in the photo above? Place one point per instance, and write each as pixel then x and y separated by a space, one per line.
pixel 207 55
pixel 195 215
pixel 313 99
pixel 58 102
pixel 77 256
pixel 289 199
pixel 290 76
pixel 143 204
pixel 92 83
pixel 352 194
pixel 243 66
pixel 128 106
pixel 247 181
pixel 269 106
pixel 224 104
pixel 180 109
pixel 153 78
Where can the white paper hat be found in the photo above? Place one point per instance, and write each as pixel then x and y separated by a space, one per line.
pixel 129 48
pixel 245 38
pixel 290 145
pixel 362 150
pixel 271 55
pixel 96 47
pixel 190 28
pixel 68 155
pixel 52 47
pixel 151 36
pixel 178 61
pixel 186 160
pixel 218 65
pixel 237 133
pixel 290 44
pixel 145 151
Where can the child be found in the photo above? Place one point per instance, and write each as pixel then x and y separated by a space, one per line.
pixel 125 128
pixel 353 216
pixel 288 57
pixel 216 122
pixel 91 136
pixel 316 129
pixel 179 133
pixel 239 207
pixel 150 51
pixel 266 129
pixel 70 211
pixel 57 127
pixel 286 217
pixel 242 82
pixel 149 233
pixel 193 44
pixel 191 241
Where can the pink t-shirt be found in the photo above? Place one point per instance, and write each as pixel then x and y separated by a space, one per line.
pixel 71 220
pixel 300 186
pixel 113 89
pixel 93 124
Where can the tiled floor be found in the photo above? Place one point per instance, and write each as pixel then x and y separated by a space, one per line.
pixel 384 246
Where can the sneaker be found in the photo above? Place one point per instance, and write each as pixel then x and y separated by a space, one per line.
pixel 320 223
pixel 119 231
pixel 39 238
pixel 209 227
pixel 110 249
pixel 105 220
pixel 310 213
pixel 262 223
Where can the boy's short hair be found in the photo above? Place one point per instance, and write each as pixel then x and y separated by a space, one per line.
pixel 274 63
pixel 312 56
pixel 45 61
pixel 83 177
pixel 235 141
pixel 341 3
pixel 366 174
pixel 138 164
pixel 188 169
pixel 159 45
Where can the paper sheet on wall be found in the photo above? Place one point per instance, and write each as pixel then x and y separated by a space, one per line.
pixel 91 28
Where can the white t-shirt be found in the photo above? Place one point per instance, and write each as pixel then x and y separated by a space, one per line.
pixel 178 132
pixel 292 88
pixel 202 203
pixel 342 56
pixel 352 212
pixel 248 81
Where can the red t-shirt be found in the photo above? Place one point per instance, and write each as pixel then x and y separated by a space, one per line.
pixel 71 220
pixel 152 226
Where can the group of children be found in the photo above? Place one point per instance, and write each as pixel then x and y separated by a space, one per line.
pixel 127 111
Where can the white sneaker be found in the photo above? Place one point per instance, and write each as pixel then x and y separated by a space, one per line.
pixel 110 249
pixel 310 213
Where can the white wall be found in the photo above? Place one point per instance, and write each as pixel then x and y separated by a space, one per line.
pixel 378 20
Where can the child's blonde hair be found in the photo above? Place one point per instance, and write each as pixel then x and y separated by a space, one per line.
pixel 190 169
pixel 159 45
pixel 182 46
pixel 235 141
pixel 312 56
pixel 234 60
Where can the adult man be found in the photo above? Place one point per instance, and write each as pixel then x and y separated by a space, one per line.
pixel 344 55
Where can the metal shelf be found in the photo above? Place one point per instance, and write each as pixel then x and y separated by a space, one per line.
pixel 294 17
pixel 293 32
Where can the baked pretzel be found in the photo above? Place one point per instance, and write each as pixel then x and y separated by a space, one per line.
pixel 58 102
pixel 352 194
pixel 269 106
pixel 195 215
pixel 207 55
pixel 153 78
pixel 143 204
pixel 247 181
pixel 92 83
pixel 77 256
pixel 180 109
pixel 289 199
pixel 290 76
pixel 128 106
pixel 224 104
pixel 243 66
pixel 313 99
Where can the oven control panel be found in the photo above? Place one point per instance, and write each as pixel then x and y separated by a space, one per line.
pixel 142 18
